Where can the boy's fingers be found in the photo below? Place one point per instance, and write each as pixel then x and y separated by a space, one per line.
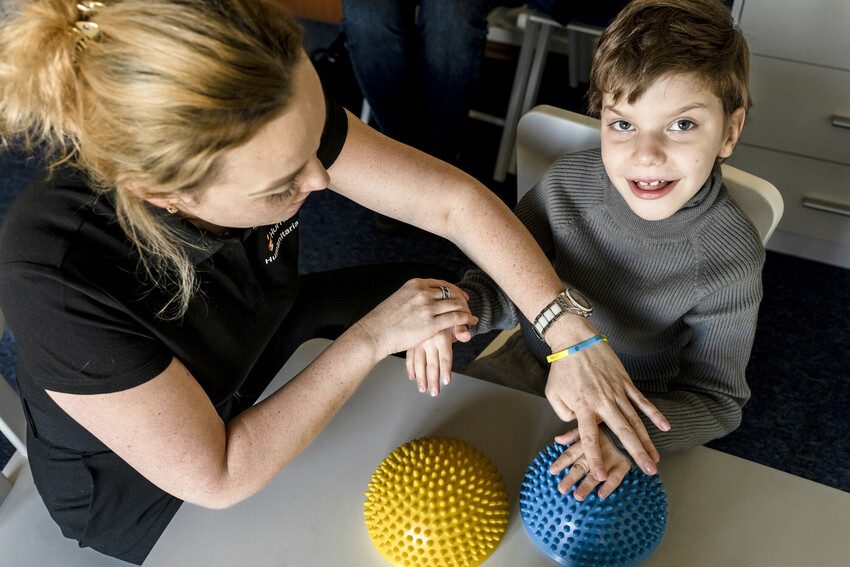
pixel 615 477
pixel 445 357
pixel 586 487
pixel 568 438
pixel 589 433
pixel 577 471
pixel 419 369
pixel 408 362
pixel 565 459
pixel 432 368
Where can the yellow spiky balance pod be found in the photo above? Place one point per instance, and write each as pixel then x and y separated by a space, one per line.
pixel 436 501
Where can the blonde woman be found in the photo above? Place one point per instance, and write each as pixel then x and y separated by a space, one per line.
pixel 153 288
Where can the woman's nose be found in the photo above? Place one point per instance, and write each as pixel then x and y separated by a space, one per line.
pixel 315 178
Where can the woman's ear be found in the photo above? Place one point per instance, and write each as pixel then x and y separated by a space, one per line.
pixel 155 199
pixel 734 126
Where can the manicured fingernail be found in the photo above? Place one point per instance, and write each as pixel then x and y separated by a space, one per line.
pixel 665 425
pixel 433 392
pixel 552 470
pixel 602 495
pixel 649 468
pixel 445 380
pixel 421 387
pixel 578 497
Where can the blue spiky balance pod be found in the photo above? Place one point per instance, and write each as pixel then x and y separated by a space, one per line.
pixel 624 529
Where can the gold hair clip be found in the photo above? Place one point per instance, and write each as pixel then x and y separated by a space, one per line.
pixel 88 8
pixel 89 30
pixel 84 26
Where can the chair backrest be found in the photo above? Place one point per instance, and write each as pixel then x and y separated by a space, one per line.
pixel 546 133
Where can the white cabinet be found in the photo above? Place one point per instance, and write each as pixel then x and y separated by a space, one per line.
pixel 797 134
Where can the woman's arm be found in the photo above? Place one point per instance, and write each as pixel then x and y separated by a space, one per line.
pixel 402 182
pixel 169 431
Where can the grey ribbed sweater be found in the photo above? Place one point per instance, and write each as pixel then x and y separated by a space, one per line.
pixel 677 298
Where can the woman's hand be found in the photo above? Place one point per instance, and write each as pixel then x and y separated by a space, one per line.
pixel 415 313
pixel 430 363
pixel 592 387
pixel 616 463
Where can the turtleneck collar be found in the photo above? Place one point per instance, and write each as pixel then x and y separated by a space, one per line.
pixel 679 222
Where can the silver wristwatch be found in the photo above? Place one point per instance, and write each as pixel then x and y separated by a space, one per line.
pixel 568 301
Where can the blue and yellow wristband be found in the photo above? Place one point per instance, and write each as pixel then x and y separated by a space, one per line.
pixel 576 348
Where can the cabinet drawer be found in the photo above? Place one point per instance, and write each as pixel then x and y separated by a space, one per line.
pixel 799 178
pixel 813 31
pixel 795 106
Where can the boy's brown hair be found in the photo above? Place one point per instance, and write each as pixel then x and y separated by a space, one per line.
pixel 651 39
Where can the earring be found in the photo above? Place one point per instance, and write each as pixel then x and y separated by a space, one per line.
pixel 171 209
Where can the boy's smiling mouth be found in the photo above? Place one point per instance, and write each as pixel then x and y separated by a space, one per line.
pixel 649 189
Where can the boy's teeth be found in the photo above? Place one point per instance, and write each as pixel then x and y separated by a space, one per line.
pixel 648 184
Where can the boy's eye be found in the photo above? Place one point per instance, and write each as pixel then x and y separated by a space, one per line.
pixel 621 126
pixel 682 125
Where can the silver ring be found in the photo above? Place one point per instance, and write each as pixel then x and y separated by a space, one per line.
pixel 446 294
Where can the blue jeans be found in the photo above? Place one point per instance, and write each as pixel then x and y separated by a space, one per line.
pixel 418 71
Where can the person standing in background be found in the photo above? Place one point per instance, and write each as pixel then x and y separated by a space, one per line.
pixel 417 64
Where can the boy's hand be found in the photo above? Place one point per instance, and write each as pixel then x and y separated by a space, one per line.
pixel 593 387
pixel 430 363
pixel 616 463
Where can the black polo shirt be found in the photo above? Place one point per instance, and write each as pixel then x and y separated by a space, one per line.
pixel 84 312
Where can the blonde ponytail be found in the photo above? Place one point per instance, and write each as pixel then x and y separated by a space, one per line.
pixel 38 84
pixel 165 89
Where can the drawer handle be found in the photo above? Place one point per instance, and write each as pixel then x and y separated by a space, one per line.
pixel 826 206
pixel 841 121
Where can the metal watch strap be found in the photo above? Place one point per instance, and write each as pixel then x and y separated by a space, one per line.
pixel 552 312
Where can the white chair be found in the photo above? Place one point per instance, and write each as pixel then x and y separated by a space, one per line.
pixel 28 535
pixel 547 132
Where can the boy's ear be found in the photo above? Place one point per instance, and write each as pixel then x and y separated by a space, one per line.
pixel 734 126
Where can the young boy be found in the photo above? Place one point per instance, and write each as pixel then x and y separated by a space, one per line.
pixel 647 232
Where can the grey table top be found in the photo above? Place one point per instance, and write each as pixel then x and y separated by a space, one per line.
pixel 723 510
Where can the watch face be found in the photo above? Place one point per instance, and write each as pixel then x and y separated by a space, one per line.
pixel 579 299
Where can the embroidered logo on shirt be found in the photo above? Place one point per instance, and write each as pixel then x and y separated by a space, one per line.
pixel 275 236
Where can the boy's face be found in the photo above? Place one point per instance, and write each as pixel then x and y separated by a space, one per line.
pixel 660 151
